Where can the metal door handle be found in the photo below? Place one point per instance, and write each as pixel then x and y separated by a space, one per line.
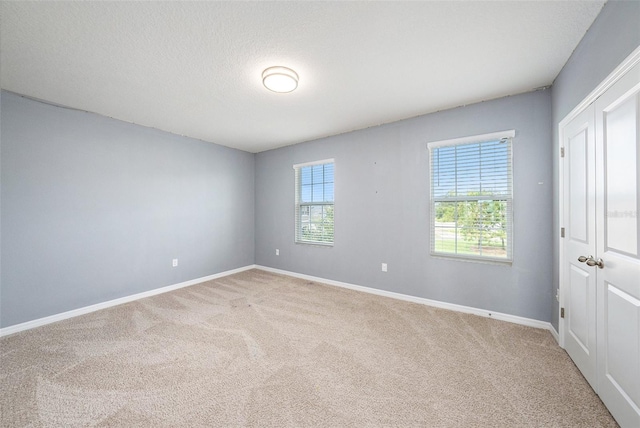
pixel 583 259
pixel 592 262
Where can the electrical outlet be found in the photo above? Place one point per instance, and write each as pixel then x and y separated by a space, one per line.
pixel 175 262
pixel 384 267
pixel 277 252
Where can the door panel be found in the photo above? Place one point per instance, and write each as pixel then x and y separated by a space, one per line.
pixel 579 221
pixel 621 201
pixel 618 283
pixel 623 334
pixel 581 303
pixel 578 184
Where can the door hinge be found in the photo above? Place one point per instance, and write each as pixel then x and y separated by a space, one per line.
pixel 561 312
pixel 561 152
pixel 562 232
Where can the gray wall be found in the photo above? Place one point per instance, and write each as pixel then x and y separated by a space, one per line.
pixel 613 36
pixel 382 209
pixel 95 209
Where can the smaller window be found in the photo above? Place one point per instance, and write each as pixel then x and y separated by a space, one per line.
pixel 314 202
pixel 472 197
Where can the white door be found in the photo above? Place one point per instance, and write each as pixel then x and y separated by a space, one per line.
pixel 618 246
pixel 601 260
pixel 580 241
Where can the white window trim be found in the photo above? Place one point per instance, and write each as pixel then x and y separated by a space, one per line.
pixel 510 134
pixel 473 139
pixel 320 162
pixel 296 168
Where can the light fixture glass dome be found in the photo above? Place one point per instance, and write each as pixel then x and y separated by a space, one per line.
pixel 280 79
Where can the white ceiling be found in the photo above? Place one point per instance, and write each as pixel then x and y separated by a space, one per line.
pixel 194 68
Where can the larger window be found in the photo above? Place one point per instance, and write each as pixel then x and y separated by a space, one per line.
pixel 314 202
pixel 471 197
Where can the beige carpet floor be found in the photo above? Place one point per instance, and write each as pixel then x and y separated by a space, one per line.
pixel 259 349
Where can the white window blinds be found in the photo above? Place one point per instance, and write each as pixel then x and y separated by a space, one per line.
pixel 471 197
pixel 314 187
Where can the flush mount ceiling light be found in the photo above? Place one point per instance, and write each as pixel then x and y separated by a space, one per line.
pixel 280 79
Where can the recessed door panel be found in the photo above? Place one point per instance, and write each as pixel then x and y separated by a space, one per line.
pixel 579 307
pixel 578 185
pixel 622 365
pixel 621 180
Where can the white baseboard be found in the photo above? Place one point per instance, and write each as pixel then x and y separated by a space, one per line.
pixel 92 308
pixel 438 304
pixel 554 333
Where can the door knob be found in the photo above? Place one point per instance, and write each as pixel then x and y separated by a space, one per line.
pixel 583 259
pixel 592 262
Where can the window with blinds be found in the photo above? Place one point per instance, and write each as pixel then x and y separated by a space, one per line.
pixel 314 202
pixel 472 197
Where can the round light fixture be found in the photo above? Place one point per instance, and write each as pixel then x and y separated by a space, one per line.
pixel 280 79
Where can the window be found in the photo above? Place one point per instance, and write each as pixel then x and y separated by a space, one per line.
pixel 471 197
pixel 314 202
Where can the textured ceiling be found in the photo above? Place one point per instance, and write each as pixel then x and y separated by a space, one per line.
pixel 194 68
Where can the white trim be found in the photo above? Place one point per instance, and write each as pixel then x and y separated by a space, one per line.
pixel 554 333
pixel 435 303
pixel 626 65
pixel 474 139
pixel 98 306
pixel 320 162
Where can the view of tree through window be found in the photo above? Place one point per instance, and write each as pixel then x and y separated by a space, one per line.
pixel 314 203
pixel 471 199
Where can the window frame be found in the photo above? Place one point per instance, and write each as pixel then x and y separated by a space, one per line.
pixel 475 139
pixel 298 239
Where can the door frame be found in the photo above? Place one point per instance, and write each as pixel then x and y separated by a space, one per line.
pixel 612 78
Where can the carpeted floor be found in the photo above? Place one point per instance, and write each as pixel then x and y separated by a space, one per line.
pixel 259 349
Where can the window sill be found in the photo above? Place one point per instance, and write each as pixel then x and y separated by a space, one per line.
pixel 481 260
pixel 315 244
